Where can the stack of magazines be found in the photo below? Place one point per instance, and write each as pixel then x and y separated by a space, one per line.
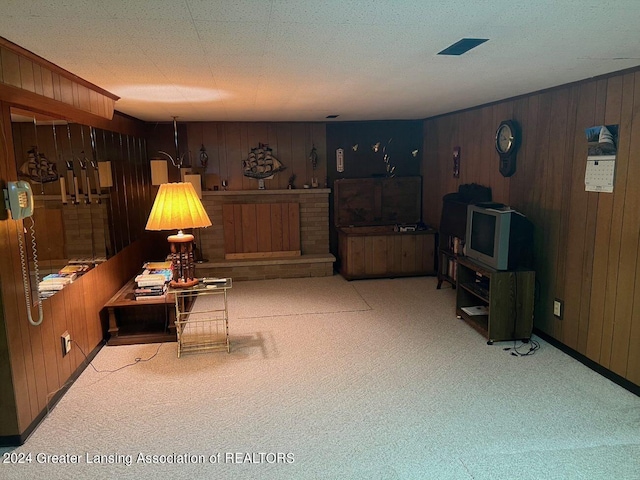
pixel 78 269
pixel 151 284
pixel 54 282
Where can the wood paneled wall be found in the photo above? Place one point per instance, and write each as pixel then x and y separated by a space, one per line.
pixel 32 368
pixel 229 143
pixel 586 243
pixel 35 369
pixel 38 368
pixel 131 196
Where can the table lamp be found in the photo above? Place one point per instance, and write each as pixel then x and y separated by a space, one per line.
pixel 178 207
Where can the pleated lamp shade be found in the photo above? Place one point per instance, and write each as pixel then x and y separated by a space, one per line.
pixel 176 207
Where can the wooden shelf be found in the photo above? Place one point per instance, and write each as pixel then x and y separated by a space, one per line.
pixel 473 289
pixel 480 323
pixel 453 225
pixel 508 296
pixel 447 259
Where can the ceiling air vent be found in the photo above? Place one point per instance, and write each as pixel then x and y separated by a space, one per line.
pixel 332 116
pixel 462 46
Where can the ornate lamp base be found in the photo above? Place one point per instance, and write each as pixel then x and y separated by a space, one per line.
pixel 184 284
pixel 182 264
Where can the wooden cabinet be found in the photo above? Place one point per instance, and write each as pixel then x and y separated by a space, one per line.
pixel 370 252
pixel 499 304
pixel 367 213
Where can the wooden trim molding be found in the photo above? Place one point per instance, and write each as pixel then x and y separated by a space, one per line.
pixel 31 81
pixel 36 59
pixel 40 104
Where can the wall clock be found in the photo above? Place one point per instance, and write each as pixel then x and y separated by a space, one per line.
pixel 507 143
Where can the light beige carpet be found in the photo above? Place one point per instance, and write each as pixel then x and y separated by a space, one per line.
pixel 295 296
pixel 387 385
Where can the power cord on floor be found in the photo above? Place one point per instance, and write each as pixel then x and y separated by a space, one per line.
pixel 516 350
pixel 70 381
pixel 135 362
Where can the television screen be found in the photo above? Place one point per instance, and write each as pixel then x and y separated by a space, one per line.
pixel 483 230
pixel 498 236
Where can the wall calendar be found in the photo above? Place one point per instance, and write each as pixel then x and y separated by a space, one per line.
pixel 602 144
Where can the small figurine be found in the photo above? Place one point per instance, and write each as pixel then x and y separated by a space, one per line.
pixel 313 156
pixel 204 158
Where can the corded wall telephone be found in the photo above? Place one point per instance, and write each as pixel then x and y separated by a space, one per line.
pixel 18 199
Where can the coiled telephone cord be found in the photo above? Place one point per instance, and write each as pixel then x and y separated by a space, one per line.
pixel 25 274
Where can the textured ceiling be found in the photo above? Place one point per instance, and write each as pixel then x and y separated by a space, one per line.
pixel 287 60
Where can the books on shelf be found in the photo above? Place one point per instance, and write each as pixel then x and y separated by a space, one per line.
pixel 151 279
pixel 92 261
pixel 151 284
pixel 448 267
pixel 150 293
pixel 56 281
pixel 44 294
pixel 60 277
pixel 48 286
pixel 452 269
pixel 150 290
pixel 456 245
pixel 166 265
pixel 78 269
pixel 149 298
pixel 152 271
pixel 80 266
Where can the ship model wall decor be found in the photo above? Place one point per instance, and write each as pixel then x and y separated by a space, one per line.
pixel 38 168
pixel 261 164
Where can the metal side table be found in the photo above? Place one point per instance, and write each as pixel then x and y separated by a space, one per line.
pixel 205 325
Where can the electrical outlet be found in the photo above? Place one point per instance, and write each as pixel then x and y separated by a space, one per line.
pixel 557 308
pixel 66 343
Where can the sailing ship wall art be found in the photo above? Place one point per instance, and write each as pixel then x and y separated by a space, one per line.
pixel 38 168
pixel 261 164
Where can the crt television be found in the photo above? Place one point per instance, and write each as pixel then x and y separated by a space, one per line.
pixel 498 236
